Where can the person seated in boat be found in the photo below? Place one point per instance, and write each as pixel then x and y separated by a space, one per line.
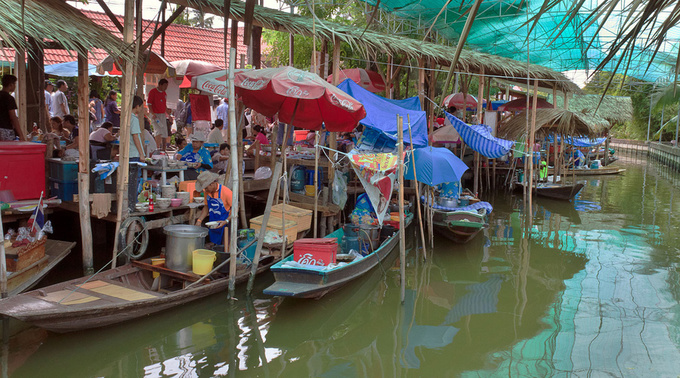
pixel 217 200
pixel 577 159
pixel 543 170
pixel 196 155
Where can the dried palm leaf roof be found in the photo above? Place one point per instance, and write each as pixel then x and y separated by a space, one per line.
pixel 53 21
pixel 369 42
pixel 556 121
pixel 615 109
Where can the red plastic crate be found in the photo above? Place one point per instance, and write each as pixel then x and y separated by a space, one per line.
pixel 319 252
pixel 22 169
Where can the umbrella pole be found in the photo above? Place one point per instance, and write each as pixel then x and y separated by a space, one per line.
pixel 415 177
pixel 402 231
pixel 285 188
pixel 234 160
pixel 316 182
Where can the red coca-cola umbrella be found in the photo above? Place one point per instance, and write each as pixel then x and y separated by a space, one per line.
pixel 458 101
pixel 300 98
pixel 190 68
pixel 521 104
pixel 369 80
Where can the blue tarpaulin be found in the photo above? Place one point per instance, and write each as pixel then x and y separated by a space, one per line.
pixel 412 103
pixel 381 114
pixel 479 138
pixel 580 142
pixel 69 69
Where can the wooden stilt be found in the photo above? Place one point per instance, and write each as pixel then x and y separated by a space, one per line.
pixel 263 228
pixel 532 132
pixel 235 170
pixel 316 183
pixel 84 166
pixel 126 112
pixel 415 176
pixel 402 231
pixel 3 264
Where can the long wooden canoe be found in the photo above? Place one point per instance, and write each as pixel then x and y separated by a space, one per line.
pixel 563 192
pixel 115 296
pixel 592 172
pixel 300 281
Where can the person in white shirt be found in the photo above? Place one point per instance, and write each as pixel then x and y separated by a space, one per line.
pixel 103 135
pixel 223 112
pixel 215 135
pixel 59 107
pixel 49 87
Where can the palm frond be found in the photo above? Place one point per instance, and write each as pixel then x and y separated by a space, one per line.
pixel 556 121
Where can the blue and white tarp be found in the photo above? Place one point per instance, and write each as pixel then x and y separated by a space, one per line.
pixel 479 138
pixel 580 142
pixel 70 69
pixel 381 114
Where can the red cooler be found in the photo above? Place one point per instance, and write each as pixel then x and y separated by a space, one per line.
pixel 22 169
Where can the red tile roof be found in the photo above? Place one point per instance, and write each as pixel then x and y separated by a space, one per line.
pixel 181 42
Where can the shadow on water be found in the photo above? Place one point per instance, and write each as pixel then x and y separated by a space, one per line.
pixel 591 288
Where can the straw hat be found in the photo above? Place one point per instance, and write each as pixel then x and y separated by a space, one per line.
pixel 204 179
pixel 198 137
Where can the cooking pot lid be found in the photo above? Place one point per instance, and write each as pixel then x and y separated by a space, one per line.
pixel 185 231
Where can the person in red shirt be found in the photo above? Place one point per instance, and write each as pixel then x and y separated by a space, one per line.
pixel 157 109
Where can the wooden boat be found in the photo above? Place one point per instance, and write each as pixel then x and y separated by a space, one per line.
pixel 26 278
pixel 459 226
pixel 301 282
pixel 564 192
pixel 593 172
pixel 116 295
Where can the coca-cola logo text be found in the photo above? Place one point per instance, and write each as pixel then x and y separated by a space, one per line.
pixel 341 102
pixel 219 89
pixel 253 85
pixel 296 91
pixel 308 259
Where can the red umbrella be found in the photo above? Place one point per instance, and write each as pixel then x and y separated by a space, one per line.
pixel 459 102
pixel 369 80
pixel 301 98
pixel 521 104
pixel 190 68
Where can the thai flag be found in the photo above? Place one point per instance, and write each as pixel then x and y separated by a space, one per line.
pixel 37 220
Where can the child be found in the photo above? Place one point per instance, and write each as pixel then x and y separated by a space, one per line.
pixel 220 159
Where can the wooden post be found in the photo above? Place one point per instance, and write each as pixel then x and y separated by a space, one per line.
pixel 291 44
pixel 480 119
pixel 333 137
pixel 3 264
pixel 126 112
pixel 234 160
pixel 555 169
pixel 402 231
pixel 316 183
pixel 415 177
pixel 84 165
pixel 20 92
pixel 263 228
pixel 488 109
pixel 421 82
pixel 388 74
pixel 532 132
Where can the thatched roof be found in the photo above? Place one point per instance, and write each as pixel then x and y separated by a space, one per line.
pixel 53 21
pixel 615 109
pixel 375 42
pixel 556 121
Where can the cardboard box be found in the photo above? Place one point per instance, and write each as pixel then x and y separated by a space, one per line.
pixel 320 252
pixel 275 224
pixel 303 217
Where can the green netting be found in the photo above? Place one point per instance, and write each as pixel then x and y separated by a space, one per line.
pixel 500 29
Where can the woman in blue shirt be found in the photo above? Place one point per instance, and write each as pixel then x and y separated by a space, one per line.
pixel 196 155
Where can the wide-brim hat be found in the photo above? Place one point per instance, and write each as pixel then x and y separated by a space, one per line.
pixel 204 179
pixel 198 137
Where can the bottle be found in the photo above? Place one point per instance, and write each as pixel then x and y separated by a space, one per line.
pixel 151 202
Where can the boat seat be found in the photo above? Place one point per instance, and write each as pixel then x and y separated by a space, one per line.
pixel 189 276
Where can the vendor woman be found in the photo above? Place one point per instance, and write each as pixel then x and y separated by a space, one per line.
pixel 217 204
pixel 196 155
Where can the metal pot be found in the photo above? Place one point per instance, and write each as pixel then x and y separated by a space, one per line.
pixel 180 242
pixel 448 202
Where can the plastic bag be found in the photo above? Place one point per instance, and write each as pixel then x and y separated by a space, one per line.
pixel 340 189
pixel 263 173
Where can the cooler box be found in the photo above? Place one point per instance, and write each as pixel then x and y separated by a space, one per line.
pixel 321 251
pixel 63 170
pixel 302 217
pixel 275 223
pixel 22 169
pixel 64 190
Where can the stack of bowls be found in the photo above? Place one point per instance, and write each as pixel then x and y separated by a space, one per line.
pixel 168 191
pixel 163 203
pixel 185 196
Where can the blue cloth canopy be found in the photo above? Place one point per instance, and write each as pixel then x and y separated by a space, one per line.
pixel 381 114
pixel 69 69
pixel 412 103
pixel 580 142
pixel 479 138
pixel 434 165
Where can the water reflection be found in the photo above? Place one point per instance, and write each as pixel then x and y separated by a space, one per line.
pixel 591 288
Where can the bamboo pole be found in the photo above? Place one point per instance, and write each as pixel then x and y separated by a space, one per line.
pixel 316 183
pixel 415 177
pixel 21 89
pixel 126 113
pixel 532 132
pixel 402 231
pixel 284 146
pixel 480 119
pixel 421 82
pixel 3 263
pixel 233 141
pixel 263 228
pixel 488 109
pixel 84 166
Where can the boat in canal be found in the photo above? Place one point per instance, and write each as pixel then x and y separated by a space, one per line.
pixel 28 276
pixel 593 172
pixel 459 224
pixel 117 295
pixel 562 192
pixel 309 281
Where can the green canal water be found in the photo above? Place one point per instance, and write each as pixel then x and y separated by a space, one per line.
pixel 593 292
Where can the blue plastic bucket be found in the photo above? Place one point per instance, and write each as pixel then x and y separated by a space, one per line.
pixel 245 236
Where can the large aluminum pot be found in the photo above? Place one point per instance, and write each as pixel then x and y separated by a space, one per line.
pixel 180 242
